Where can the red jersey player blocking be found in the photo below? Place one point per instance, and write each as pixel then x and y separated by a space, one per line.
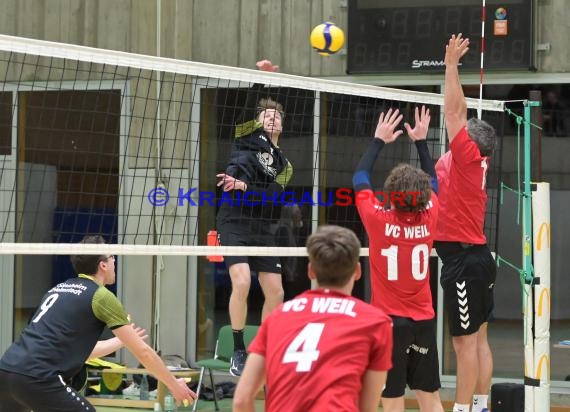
pixel 401 239
pixel 323 350
pixel 469 270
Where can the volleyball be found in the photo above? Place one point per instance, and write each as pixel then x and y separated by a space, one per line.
pixel 327 38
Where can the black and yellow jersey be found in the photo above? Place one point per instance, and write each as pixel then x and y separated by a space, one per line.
pixel 263 167
pixel 64 329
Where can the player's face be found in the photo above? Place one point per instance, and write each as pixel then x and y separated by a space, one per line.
pixel 272 122
pixel 109 268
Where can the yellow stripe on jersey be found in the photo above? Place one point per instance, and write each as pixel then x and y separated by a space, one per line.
pixel 108 309
pixel 284 177
pixel 247 128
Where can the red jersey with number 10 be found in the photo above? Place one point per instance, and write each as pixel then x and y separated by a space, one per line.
pixel 461 177
pixel 317 347
pixel 400 247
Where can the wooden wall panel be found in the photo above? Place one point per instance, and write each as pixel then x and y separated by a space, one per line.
pixel 143 28
pixel 237 34
pixel 215 31
pixel 89 28
pixel 296 29
pixel 269 38
pixel 248 34
pixel 113 24
pixel 229 32
pixel 30 19
pixel 181 38
pixel 63 20
pixel 8 20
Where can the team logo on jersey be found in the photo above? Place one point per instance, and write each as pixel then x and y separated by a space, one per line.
pixel 262 137
pixel 266 161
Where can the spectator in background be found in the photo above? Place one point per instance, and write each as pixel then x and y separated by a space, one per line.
pixel 553 113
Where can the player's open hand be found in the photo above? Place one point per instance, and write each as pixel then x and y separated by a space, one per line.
pixel 420 130
pixel 182 393
pixel 230 183
pixel 385 130
pixel 140 331
pixel 455 49
pixel 266 66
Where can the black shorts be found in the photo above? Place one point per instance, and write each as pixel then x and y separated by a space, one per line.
pixel 468 277
pixel 414 358
pixel 20 393
pixel 249 233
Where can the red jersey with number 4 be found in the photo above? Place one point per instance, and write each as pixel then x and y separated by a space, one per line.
pixel 399 251
pixel 461 177
pixel 317 347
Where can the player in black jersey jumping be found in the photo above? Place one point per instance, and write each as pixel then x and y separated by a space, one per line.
pixel 255 177
pixel 64 333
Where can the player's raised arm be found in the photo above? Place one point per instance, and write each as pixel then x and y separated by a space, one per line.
pixel 385 133
pixel 419 135
pixel 455 107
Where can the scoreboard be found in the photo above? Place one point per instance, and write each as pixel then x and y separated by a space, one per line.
pixel 410 35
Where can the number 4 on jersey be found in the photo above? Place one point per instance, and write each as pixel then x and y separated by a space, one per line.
pixel 303 350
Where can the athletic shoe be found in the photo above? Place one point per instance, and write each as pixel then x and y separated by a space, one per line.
pixel 238 362
pixel 132 392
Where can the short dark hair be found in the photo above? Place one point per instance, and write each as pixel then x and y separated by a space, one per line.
pixel 88 264
pixel 483 134
pixel 413 186
pixel 334 252
pixel 269 103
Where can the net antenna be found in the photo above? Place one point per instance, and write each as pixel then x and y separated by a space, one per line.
pixel 481 70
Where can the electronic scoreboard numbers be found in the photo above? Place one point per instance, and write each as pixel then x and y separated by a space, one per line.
pixel 410 35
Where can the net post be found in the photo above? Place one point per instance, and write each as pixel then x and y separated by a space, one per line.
pixel 541 288
pixel 530 367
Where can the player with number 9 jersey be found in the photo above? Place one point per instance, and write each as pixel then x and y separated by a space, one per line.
pixel 317 347
pixel 65 331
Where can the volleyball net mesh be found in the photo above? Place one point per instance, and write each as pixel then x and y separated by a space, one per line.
pixel 128 147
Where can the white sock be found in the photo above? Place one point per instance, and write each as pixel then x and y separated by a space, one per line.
pixel 461 407
pixel 479 403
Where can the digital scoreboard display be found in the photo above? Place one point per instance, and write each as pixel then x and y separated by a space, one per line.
pixel 410 35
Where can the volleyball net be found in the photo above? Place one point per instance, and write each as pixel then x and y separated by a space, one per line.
pixel 128 146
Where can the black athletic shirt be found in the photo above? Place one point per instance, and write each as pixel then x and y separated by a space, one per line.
pixel 263 167
pixel 64 329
